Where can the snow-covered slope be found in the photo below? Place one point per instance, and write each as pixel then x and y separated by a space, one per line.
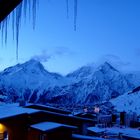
pixel 134 77
pixel 86 85
pixel 90 85
pixel 28 78
pixel 128 102
pixel 30 74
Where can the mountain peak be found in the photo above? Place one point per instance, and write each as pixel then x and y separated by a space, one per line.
pixel 107 67
pixel 31 66
pixel 32 62
pixel 82 72
pixel 107 63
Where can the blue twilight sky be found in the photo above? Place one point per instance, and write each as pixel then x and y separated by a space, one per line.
pixel 107 30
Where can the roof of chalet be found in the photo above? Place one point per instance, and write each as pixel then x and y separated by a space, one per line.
pixel 83 137
pixel 49 126
pixel 11 110
pixel 54 112
pixel 48 108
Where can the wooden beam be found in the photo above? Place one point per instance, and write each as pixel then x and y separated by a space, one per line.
pixel 7 6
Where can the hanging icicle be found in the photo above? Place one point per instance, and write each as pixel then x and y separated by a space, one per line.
pixel 3 28
pixel 16 17
pixel 34 6
pixel 6 25
pixel 75 14
pixel 27 7
pixel 13 24
pixel 18 22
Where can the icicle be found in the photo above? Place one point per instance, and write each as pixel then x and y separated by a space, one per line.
pixel 29 8
pixel 75 14
pixel 28 5
pixel 6 25
pixel 34 6
pixel 18 21
pixel 67 6
pixel 13 24
pixel 2 31
pixel 3 28
pixel 16 15
pixel 25 6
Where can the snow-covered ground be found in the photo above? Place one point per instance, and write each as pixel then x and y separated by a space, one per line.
pixel 128 102
pixel 134 133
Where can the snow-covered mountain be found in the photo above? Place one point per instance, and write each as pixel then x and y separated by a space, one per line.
pixel 88 84
pixel 28 79
pixel 128 102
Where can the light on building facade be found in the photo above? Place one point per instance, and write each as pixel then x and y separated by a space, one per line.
pixel 2 128
pixel 96 109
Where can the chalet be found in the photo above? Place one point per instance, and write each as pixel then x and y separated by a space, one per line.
pixel 50 131
pixel 37 122
pixel 48 108
pixel 23 123
pixel 14 122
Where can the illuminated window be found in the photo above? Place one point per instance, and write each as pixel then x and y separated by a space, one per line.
pixel 2 128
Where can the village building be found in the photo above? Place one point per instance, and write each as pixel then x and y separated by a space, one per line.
pixel 25 123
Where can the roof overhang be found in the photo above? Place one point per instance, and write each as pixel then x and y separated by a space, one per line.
pixel 7 6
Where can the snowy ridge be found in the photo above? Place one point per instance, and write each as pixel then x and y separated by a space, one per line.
pixel 28 79
pixel 87 85
pixel 97 84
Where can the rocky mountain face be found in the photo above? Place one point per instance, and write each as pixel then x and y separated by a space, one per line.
pixel 87 85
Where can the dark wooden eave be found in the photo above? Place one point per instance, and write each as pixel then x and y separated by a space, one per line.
pixel 7 6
